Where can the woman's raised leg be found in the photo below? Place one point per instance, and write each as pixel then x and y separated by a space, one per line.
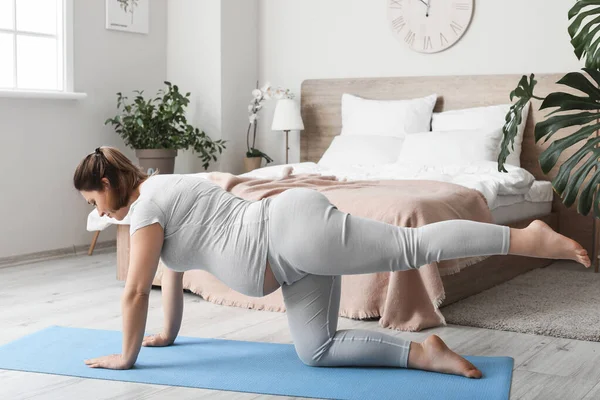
pixel 310 235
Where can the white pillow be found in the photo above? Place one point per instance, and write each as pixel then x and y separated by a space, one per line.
pixel 482 118
pixel 451 147
pixel 386 117
pixel 361 149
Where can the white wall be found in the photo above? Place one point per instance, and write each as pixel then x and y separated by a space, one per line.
pixel 43 140
pixel 193 63
pixel 315 39
pixel 239 57
pixel 212 53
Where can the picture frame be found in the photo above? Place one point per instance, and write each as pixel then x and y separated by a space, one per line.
pixel 128 15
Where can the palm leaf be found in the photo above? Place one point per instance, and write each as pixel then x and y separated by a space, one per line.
pixel 584 27
pixel 579 175
pixel 524 91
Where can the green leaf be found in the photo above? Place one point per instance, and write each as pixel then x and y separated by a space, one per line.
pixel 579 81
pixel 571 178
pixel 577 178
pixel 550 156
pixel 582 34
pixel 586 198
pixel 547 128
pixel 564 172
pixel 568 102
pixel 524 91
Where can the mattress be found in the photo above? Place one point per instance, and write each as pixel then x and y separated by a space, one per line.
pixel 536 203
pixel 515 212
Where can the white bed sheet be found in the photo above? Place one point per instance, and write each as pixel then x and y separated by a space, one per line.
pixel 536 203
pixel 511 196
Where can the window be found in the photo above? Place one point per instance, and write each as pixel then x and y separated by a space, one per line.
pixel 33 45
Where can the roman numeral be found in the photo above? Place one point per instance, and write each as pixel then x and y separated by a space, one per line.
pixel 456 27
pixel 427 45
pixel 396 4
pixel 443 39
pixel 462 6
pixel 410 38
pixel 398 23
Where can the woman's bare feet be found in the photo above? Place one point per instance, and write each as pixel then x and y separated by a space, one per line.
pixel 434 355
pixel 539 240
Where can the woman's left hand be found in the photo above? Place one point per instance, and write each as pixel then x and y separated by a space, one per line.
pixel 114 361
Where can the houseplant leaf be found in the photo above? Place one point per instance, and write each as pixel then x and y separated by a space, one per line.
pixel 580 173
pixel 583 29
pixel 524 93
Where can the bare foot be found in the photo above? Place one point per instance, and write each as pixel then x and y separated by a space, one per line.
pixel 434 355
pixel 542 241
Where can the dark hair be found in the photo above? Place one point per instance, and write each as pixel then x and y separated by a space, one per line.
pixel 108 162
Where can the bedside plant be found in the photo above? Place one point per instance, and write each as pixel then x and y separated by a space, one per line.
pixel 156 128
pixel 253 155
pixel 570 110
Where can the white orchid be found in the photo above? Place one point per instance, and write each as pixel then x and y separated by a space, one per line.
pixel 284 94
pixel 266 88
pixel 259 97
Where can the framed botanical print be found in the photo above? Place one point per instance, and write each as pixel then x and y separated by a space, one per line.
pixel 128 15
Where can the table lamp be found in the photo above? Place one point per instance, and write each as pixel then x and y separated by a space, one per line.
pixel 287 118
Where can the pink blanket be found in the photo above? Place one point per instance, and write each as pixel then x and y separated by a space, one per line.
pixel 406 300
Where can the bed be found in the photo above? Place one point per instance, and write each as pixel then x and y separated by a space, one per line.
pixel 321 111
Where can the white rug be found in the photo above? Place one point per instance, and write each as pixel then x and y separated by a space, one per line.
pixel 554 302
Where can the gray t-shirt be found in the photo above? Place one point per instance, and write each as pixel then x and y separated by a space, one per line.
pixel 206 228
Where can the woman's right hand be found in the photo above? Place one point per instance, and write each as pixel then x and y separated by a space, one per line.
pixel 158 340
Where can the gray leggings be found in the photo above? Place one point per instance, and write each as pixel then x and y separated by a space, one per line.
pixel 312 243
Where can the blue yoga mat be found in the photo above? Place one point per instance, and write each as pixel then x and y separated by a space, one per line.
pixel 240 366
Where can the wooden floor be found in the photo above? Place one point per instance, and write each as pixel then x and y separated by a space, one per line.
pixel 82 291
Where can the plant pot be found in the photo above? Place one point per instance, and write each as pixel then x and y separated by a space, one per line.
pixel 162 160
pixel 252 163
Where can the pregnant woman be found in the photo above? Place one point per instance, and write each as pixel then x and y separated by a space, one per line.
pixel 297 241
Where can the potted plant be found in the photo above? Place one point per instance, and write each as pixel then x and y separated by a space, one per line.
pixel 253 155
pixel 157 128
pixel 579 176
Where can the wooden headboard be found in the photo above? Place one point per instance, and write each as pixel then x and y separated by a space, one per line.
pixel 321 114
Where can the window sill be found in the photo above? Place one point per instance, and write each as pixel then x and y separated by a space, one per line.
pixel 40 94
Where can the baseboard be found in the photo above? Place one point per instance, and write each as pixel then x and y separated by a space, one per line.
pixel 109 245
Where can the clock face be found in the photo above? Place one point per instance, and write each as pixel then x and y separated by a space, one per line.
pixel 429 26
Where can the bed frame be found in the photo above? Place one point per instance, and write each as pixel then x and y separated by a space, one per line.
pixel 321 114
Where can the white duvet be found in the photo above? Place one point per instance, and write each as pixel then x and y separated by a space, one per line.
pixel 482 176
pixel 499 188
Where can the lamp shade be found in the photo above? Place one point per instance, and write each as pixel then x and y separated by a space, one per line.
pixel 287 116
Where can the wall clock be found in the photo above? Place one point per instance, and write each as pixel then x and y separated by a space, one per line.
pixel 429 26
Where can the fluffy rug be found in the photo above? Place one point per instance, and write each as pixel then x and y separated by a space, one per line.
pixel 554 302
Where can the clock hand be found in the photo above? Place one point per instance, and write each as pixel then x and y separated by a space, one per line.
pixel 427 4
